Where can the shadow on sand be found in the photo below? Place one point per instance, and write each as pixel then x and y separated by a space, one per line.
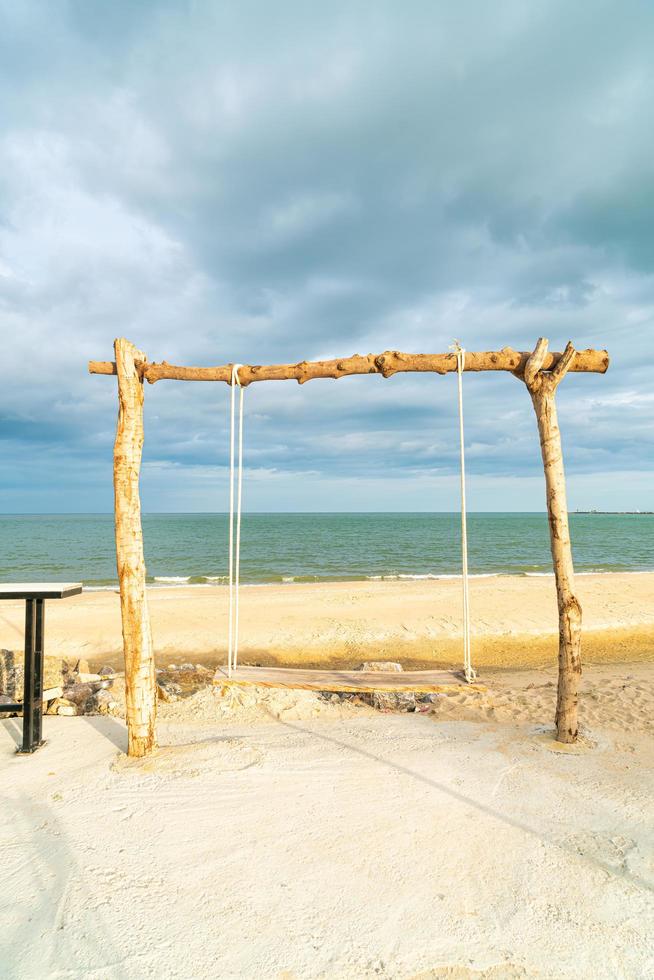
pixel 482 807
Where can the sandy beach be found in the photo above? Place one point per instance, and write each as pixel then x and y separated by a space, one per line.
pixel 287 837
pixel 514 622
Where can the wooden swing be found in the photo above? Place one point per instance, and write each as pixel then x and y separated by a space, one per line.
pixel 541 371
pixel 352 681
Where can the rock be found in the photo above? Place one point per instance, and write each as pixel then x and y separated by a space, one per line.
pixel 7 674
pixel 99 702
pixel 185 680
pixel 78 666
pixel 84 696
pixel 11 672
pixel 392 700
pixel 106 669
pixel 387 700
pixel 168 691
pixel 19 682
pixel 67 709
pixel 79 694
pixel 62 706
pixel 6 699
pixel 106 704
pixel 53 694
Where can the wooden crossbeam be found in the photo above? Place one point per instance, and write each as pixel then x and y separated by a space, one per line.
pixel 389 363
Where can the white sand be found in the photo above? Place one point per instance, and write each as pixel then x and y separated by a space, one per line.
pixel 347 845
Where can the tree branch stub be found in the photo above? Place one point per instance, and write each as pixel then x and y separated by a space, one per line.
pixel 532 370
pixel 560 370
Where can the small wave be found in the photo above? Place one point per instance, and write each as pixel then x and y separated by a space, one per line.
pixel 428 576
pixel 209 581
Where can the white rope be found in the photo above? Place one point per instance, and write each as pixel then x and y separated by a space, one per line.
pixel 234 541
pixel 468 669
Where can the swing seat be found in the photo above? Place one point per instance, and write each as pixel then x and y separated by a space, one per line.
pixel 347 681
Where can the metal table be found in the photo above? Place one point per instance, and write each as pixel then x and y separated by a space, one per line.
pixel 34 595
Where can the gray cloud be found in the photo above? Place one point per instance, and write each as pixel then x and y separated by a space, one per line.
pixel 262 182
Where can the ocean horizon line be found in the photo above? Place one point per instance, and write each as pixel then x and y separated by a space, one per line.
pixel 297 513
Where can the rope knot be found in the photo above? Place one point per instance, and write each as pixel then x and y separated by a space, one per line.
pixel 460 353
pixel 235 378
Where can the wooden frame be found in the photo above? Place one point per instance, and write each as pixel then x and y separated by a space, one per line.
pixel 541 371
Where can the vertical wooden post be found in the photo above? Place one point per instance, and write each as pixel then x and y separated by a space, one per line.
pixel 542 388
pixel 140 684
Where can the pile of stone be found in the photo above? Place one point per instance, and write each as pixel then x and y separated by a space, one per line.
pixel 399 701
pixel 69 688
pixel 181 681
pixel 91 694
pixel 86 693
pixel 12 674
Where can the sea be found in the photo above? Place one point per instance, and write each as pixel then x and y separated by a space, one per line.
pixel 192 549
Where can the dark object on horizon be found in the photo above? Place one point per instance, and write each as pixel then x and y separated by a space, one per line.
pixel 621 513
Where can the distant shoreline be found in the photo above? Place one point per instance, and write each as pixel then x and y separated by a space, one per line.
pixel 620 513
pixel 287 581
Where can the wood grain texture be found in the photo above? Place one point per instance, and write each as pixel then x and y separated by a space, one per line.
pixel 542 388
pixel 387 364
pixel 140 687
pixel 350 681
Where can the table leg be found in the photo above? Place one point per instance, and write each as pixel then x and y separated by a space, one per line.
pixel 28 675
pixel 37 724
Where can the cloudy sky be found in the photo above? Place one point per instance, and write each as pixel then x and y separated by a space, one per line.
pixel 263 182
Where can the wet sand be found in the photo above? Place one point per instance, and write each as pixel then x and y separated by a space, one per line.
pixel 514 622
